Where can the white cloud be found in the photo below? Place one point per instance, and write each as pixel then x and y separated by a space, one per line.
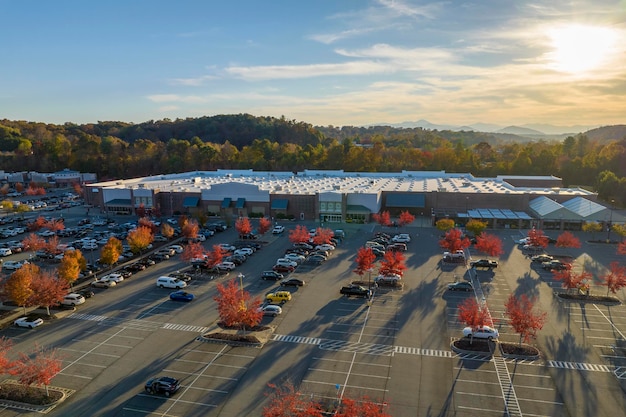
pixel 270 72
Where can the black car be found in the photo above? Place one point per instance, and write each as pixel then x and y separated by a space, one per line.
pixel 158 257
pixel 271 275
pixel 162 385
pixel 461 286
pixel 542 258
pixel 87 293
pixel 292 282
pixel 554 265
pixel 377 251
pixel 484 263
pixel 136 267
pixel 146 262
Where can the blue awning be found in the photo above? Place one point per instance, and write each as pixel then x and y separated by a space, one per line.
pixel 279 204
pixel 403 200
pixel 240 203
pixel 226 202
pixel 191 202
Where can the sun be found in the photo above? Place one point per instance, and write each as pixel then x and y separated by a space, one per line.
pixel 580 48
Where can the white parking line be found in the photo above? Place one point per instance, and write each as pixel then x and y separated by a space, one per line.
pixel 102 343
pixel 539 401
pixel 473 394
pixel 93 353
pixel 357 362
pixel 335 371
pixel 89 351
pixel 146 412
pixel 345 386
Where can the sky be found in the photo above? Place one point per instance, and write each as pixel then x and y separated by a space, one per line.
pixel 324 62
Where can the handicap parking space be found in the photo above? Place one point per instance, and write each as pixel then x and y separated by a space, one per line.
pixel 208 374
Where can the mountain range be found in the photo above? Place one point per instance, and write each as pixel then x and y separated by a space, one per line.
pixel 529 129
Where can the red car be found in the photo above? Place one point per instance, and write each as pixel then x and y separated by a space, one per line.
pixel 283 268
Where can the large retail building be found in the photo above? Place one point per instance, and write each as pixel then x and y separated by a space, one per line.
pixel 338 196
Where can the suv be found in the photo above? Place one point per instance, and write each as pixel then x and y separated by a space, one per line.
pixel 391 279
pixel 72 300
pixel 278 297
pixel 456 256
pixel 273 275
pixel 162 385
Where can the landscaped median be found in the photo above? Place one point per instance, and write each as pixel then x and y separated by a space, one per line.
pixel 254 337
pixel 487 348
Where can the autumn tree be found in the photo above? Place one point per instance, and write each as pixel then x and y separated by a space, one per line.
pixel 139 239
pixel 111 252
pixel 453 241
pixel 190 229
pixel 615 278
pixel 191 251
pixel 243 226
pixel 33 242
pixel 472 314
pixel 569 279
pixel 52 244
pixel 444 224
pixel 593 228
pixel 363 407
pixel 18 285
pixel 322 235
pixel 146 222
pixel 37 224
pixel 167 230
pixel 384 219
pixel 72 263
pixel 5 362
pixel 264 225
pixel 299 234
pixel 405 219
pixel 235 307
pixel 620 229
pixel 141 211
pixel 477 227
pixel 286 401
pixel 523 317
pixel 364 261
pixel 215 256
pixel 38 368
pixel 392 263
pixel 489 244
pixel 621 248
pixel 567 240
pixel 48 290
pixel 537 238
pixel 54 225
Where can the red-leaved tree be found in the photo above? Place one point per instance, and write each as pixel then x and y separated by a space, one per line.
pixel 364 261
pixel 567 240
pixel 243 226
pixel 615 279
pixel 569 279
pixel 190 229
pixel 299 235
pixel 146 222
pixel 453 241
pixel 489 244
pixel 384 219
pixel 38 369
pixel 5 347
pixel 361 408
pixel 192 250
pixel 214 256
pixel 392 263
pixel 405 219
pixel 32 242
pixel 621 248
pixel 235 307
pixel 523 317
pixel 537 238
pixel 287 401
pixel 322 235
pixel 48 290
pixel 264 225
pixel 472 314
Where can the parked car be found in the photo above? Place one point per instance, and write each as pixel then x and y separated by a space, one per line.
pixel 402 238
pixel 295 257
pixel 5 252
pixel 236 259
pixel 286 262
pixel 555 265
pixel 461 286
pixel 292 282
pixel 456 256
pixel 271 310
pixel 484 263
pixel 355 290
pixel 283 268
pixel 28 322
pixel 225 266
pixel 398 247
pixel 13 265
pixel 136 267
pixel 72 300
pixel 162 385
pixel 378 251
pixel 103 284
pixel 159 256
pixel 388 279
pixel 243 251
pixel 181 296
pixel 325 246
pixel 86 292
pixel 183 276
pixel 271 275
pixel 542 258
pixel 278 230
pixel 278 297
pixel 482 332
pixel 112 277
pixel 316 259
pixel 170 282
pixel 227 247
pixel 176 248
pixel 532 248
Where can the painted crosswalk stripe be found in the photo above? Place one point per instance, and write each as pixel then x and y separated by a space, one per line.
pixel 578 366
pixel 186 328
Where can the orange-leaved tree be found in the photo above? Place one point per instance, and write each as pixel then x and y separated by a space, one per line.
pixel 191 251
pixel 453 241
pixel 615 278
pixel 243 226
pixel 111 251
pixel 444 224
pixel 139 239
pixel 38 369
pixel 18 285
pixel 523 317
pixel 392 263
pixel 363 407
pixel 48 290
pixel 405 219
pixel 472 314
pixel 384 218
pixel 32 242
pixel 322 235
pixel 621 248
pixel 287 401
pixel 264 225
pixel 190 229
pixel 299 235
pixel 5 347
pixel 71 265
pixel 235 306
pixel 36 224
pixel 489 244
pixel 214 256
pixel 569 279
pixel 167 230
pixel 567 240
pixel 146 222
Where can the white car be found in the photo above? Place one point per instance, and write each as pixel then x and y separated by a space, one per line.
pixel 226 266
pixel 286 262
pixel 72 300
pixel 278 230
pixel 28 322
pixel 103 284
pixel 243 251
pixel 325 246
pixel 390 279
pixel 295 257
pixel 46 233
pixel 117 278
pixel 523 241
pixel 482 332
pixel 176 248
pixel 13 265
pixel 226 247
pixel 401 238
pixel 271 310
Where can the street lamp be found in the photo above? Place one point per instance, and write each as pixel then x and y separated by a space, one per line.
pixel 608 228
pixel 241 276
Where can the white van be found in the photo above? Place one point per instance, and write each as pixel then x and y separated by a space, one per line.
pixel 170 282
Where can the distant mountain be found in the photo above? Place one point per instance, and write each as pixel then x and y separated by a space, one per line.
pixel 607 133
pixel 523 131
pixel 534 129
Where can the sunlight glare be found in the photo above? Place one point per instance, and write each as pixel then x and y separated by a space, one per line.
pixel 579 48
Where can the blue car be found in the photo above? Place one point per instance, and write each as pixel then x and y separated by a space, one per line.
pixel 181 296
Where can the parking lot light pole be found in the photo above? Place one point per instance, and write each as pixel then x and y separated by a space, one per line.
pixel 608 227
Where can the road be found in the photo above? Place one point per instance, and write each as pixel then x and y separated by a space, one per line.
pixel 396 351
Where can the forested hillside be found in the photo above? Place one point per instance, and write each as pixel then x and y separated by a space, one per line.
pixel 118 150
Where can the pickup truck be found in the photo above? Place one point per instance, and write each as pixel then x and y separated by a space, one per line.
pixel 356 290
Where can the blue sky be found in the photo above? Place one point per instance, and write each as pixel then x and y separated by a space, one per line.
pixel 341 62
